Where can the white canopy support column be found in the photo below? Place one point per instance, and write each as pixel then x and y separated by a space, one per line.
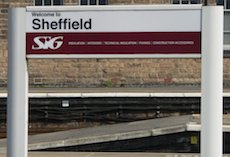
pixel 212 82
pixel 17 102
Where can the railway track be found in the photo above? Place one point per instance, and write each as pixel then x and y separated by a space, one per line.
pixel 49 114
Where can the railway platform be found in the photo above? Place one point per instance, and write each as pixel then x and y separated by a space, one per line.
pixel 171 91
pixel 97 154
pixel 102 154
pixel 116 132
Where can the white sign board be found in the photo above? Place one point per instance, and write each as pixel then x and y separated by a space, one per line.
pixel 133 30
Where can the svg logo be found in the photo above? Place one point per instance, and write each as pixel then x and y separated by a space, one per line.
pixel 47 42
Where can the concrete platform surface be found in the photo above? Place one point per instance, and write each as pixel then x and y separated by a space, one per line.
pixel 116 132
pixel 102 154
pixel 161 91
pixel 107 133
pixel 96 154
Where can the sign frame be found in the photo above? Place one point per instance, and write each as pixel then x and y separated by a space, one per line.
pixel 211 79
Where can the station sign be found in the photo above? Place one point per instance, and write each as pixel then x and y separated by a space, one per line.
pixel 113 30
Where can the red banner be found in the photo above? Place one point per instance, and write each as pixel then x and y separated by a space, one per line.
pixel 114 43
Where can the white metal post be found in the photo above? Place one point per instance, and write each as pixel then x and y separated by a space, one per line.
pixel 17 102
pixel 212 82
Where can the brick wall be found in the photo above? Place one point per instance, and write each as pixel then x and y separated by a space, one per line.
pixel 103 72
pixel 113 72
